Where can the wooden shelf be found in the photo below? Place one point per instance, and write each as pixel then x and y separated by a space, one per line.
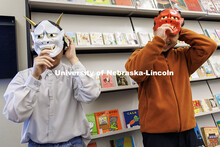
pixel 115 132
pixel 118 88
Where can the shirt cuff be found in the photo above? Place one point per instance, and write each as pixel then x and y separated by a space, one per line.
pixel 33 83
pixel 78 67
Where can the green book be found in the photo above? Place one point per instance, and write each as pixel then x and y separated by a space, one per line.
pixel 92 123
pixel 105 2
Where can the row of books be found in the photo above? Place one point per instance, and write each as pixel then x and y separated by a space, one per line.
pixel 213 34
pixel 127 141
pixel 206 105
pixel 107 80
pixel 107 121
pixel 212 6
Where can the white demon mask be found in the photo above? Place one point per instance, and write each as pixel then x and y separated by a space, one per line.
pixel 48 35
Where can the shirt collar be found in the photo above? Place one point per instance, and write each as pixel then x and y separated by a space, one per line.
pixel 45 73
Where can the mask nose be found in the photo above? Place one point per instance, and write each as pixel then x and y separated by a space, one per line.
pixel 45 40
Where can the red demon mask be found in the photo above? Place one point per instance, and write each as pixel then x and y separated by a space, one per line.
pixel 169 16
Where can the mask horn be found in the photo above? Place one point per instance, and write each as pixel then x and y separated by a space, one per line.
pixel 59 19
pixel 30 21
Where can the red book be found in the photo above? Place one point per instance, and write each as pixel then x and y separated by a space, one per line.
pixel 124 2
pixel 193 5
pixel 92 144
pixel 106 81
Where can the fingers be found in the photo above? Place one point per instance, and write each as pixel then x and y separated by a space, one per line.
pixel 44 60
pixel 70 39
pixel 45 52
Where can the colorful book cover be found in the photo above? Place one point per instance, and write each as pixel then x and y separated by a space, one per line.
pixel 131 118
pixel 193 5
pixel 213 104
pixel 72 35
pixel 109 39
pixel 120 38
pixel 124 2
pixel 122 142
pixel 210 136
pixel 143 37
pixel 199 136
pixel 208 69
pixel 217 4
pixel 217 31
pixel 105 2
pixel 197 107
pixel 208 6
pixel 215 64
pixel 92 123
pixel 206 106
pixel 179 5
pixel 131 38
pixel 212 34
pixel 217 96
pixel 144 4
pixel 218 124
pixel 108 121
pixel 83 38
pixel 96 38
pixel 106 81
pixel 163 4
pixel 122 80
pixel 92 144
pixel 201 72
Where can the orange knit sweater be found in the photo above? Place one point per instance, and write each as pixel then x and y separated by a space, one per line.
pixel 165 102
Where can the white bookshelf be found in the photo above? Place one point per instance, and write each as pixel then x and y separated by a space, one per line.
pixel 202 79
pixel 105 47
pixel 207 113
pixel 118 88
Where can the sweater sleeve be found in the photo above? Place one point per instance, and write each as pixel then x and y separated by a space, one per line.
pixel 143 59
pixel 201 48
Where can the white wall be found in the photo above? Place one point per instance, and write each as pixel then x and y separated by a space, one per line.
pixel 10 133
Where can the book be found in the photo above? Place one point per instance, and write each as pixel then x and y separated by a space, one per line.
pixel 92 123
pixel 131 38
pixel 109 39
pixel 72 35
pixel 98 80
pixel 210 136
pixel 208 69
pixel 105 2
pixel 96 38
pixel 163 4
pixel 83 38
pixel 106 81
pixel 193 5
pixel 206 106
pixel 131 118
pixel 122 142
pixel 92 144
pixel 201 72
pixel 212 34
pixel 123 2
pixel 144 4
pixel 208 6
pixel 120 38
pixel 217 4
pixel 76 1
pixel 218 124
pixel 122 80
pixel 194 75
pixel 217 96
pixel 197 107
pixel 143 37
pixel 217 31
pixel 179 5
pixel 133 82
pixel 214 61
pixel 213 103
pixel 108 121
pixel 198 136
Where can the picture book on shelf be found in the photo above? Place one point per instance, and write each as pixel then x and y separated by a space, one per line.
pixel 144 4
pixel 143 37
pixel 206 106
pixel 201 72
pixel 106 81
pixel 212 34
pixel 179 5
pixel 193 5
pixel 122 142
pixel 133 82
pixel 92 144
pixel 96 38
pixel 213 103
pixel 122 80
pixel 208 6
pixel 72 35
pixel 120 38
pixel 210 136
pixel 92 123
pixel 131 38
pixel 199 136
pixel 83 38
pixel 105 2
pixel 217 4
pixel 131 118
pixel 208 69
pixel 218 124
pixel 109 39
pixel 214 61
pixel 123 2
pixel 194 75
pixel 163 4
pixel 217 96
pixel 108 121
pixel 197 107
pixel 217 31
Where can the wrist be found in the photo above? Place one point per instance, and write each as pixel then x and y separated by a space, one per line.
pixel 36 76
pixel 74 61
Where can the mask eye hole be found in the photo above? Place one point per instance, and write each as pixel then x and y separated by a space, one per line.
pixel 40 36
pixel 164 17
pixel 51 35
pixel 174 18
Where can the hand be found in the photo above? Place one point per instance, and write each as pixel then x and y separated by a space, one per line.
pixel 41 63
pixel 71 51
pixel 161 31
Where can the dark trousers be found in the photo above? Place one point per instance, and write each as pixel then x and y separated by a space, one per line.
pixel 183 139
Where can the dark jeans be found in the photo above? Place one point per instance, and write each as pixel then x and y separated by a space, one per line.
pixel 183 139
pixel 75 142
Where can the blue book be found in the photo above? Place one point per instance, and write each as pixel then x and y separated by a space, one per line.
pixel 199 136
pixel 218 98
pixel 131 118
pixel 123 142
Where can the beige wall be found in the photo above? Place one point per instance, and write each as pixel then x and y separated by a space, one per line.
pixel 10 133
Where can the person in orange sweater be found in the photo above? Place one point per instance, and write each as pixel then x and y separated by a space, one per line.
pixel 165 100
